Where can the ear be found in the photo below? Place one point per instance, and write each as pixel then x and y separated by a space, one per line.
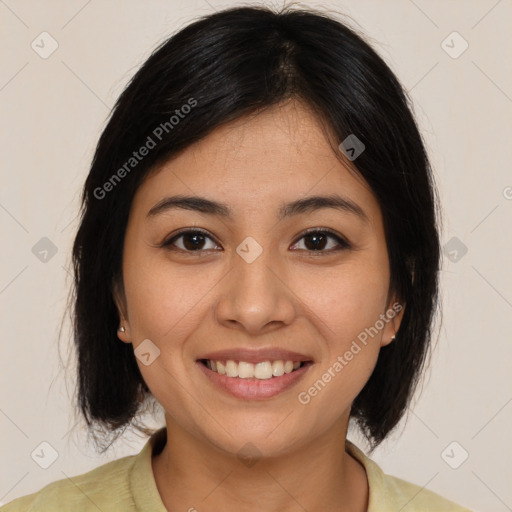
pixel 393 318
pixel 120 301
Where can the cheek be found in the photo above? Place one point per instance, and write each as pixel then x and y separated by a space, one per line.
pixel 164 299
pixel 348 302
pixel 348 314
pixel 346 299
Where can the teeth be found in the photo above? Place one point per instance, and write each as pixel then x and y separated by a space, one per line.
pixel 246 370
pixel 221 368
pixel 243 370
pixel 277 368
pixel 263 370
pixel 231 369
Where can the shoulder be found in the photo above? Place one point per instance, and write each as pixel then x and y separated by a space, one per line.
pixel 91 491
pixel 389 493
pixel 412 497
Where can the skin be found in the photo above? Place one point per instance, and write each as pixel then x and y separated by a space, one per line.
pixel 291 296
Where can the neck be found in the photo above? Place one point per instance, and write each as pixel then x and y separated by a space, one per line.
pixel 193 474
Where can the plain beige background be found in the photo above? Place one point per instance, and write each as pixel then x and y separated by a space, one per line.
pixel 53 110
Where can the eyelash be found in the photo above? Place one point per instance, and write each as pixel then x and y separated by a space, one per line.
pixel 340 240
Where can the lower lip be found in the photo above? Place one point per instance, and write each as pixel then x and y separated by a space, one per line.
pixel 254 389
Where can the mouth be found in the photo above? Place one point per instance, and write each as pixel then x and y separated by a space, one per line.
pixel 262 370
pixel 254 375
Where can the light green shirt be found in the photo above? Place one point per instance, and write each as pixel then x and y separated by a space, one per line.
pixel 127 484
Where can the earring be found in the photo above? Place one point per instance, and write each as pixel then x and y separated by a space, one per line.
pixel 121 329
pixel 393 337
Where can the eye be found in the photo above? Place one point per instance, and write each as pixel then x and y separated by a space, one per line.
pixel 193 241
pixel 316 241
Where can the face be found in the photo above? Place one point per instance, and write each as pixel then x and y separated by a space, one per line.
pixel 266 274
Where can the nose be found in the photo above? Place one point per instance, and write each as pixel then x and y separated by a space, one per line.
pixel 256 296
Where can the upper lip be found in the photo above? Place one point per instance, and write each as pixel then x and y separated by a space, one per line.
pixel 255 355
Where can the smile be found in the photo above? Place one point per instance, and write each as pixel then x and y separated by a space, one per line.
pixel 245 370
pixel 253 381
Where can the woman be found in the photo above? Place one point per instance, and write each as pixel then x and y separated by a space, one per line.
pixel 258 254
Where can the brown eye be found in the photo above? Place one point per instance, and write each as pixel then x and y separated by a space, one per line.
pixel 192 241
pixel 317 241
pixel 320 241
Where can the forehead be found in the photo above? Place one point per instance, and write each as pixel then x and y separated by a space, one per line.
pixel 279 154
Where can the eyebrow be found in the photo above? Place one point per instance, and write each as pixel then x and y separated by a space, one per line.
pixel 300 206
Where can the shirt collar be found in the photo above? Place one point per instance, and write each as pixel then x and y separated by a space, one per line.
pixel 146 496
